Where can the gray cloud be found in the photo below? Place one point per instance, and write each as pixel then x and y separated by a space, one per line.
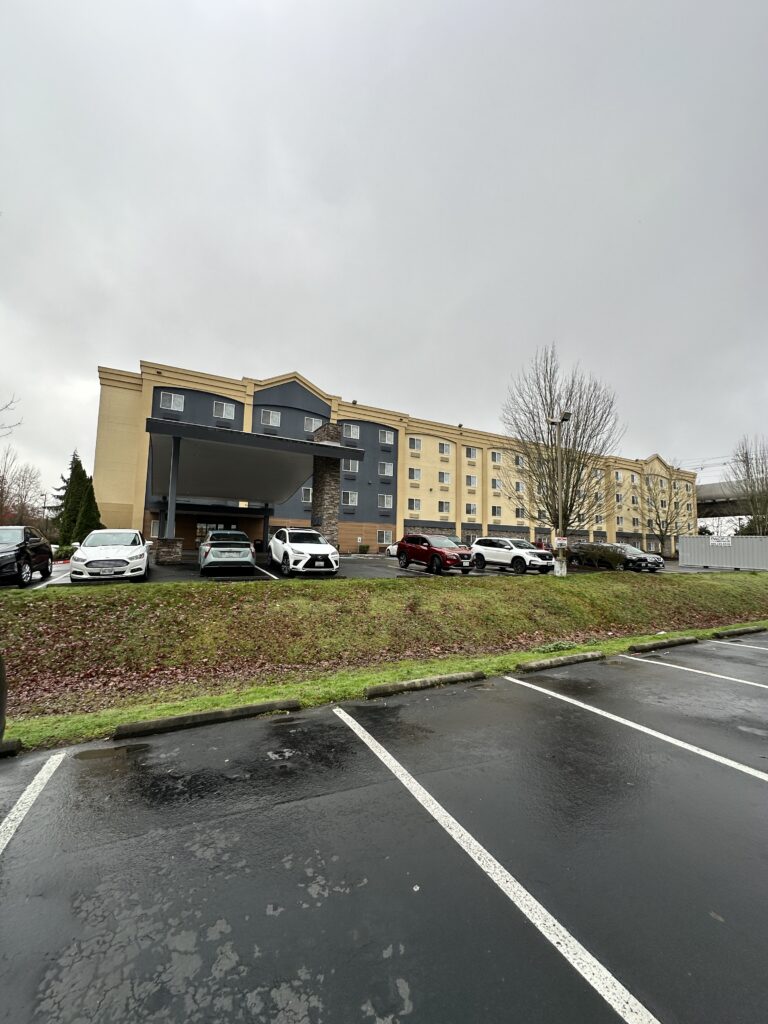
pixel 402 201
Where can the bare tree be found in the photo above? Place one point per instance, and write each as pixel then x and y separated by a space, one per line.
pixel 8 463
pixel 748 481
pixel 665 504
pixel 27 492
pixel 5 409
pixel 539 394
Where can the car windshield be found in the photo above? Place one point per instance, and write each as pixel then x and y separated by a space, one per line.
pixel 229 535
pixel 112 538
pixel 443 542
pixel 11 534
pixel 306 537
pixel 455 540
pixel 630 550
pixel 521 544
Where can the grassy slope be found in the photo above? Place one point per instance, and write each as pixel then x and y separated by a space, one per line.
pixel 119 653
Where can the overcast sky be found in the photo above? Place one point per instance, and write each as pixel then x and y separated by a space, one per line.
pixel 401 200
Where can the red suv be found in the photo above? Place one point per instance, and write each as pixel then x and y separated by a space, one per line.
pixel 435 552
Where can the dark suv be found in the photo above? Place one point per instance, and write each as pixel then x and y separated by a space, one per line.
pixel 437 553
pixel 608 556
pixel 24 550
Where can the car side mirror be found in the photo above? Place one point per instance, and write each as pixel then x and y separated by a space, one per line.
pixel 76 544
pixel 149 543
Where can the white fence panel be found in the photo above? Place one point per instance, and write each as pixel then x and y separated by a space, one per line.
pixel 724 553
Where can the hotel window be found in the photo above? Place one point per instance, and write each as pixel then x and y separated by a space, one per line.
pixel 633 478
pixel 650 524
pixel 519 513
pixel 619 498
pixel 223 410
pixel 495 483
pixel 311 424
pixel 383 536
pixel 352 431
pixel 519 487
pixel 496 457
pixel 687 488
pixel 663 503
pixel 349 497
pixel 542 515
pixel 414 504
pixel 496 511
pixel 635 500
pixel 471 480
pixel 444 447
pixel 443 507
pixel 386 437
pixel 688 506
pixel 350 465
pixel 413 473
pixel 471 508
pixel 519 460
pixel 471 453
pixel 270 418
pixel 443 478
pixel 619 520
pixel 154 528
pixel 597 474
pixel 168 400
pixel 385 501
pixel 414 443
pixel 598 520
pixel 635 521
pixel 617 476
pixel 306 495
pixel 386 468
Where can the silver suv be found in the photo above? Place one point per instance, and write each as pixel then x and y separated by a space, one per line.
pixel 510 553
pixel 226 549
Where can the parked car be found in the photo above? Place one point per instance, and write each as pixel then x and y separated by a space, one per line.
pixel 652 562
pixel 110 554
pixel 391 550
pixel 438 554
pixel 23 551
pixel 608 556
pixel 510 553
pixel 226 549
pixel 302 550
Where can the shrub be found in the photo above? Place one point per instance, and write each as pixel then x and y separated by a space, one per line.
pixel 362 549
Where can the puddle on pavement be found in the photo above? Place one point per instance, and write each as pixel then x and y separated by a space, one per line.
pixel 105 753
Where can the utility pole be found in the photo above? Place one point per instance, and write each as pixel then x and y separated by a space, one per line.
pixel 557 423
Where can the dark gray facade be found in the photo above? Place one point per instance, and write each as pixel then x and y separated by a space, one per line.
pixel 499 530
pixel 198 408
pixel 429 526
pixel 368 483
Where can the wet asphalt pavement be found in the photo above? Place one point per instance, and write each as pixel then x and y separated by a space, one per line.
pixel 277 871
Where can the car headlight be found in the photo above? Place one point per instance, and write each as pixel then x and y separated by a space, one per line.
pixel 136 557
pixel 78 558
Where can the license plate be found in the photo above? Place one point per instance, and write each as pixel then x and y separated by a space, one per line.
pixel 230 554
pixel 319 561
pixel 107 572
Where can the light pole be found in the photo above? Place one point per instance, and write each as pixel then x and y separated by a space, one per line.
pixel 557 423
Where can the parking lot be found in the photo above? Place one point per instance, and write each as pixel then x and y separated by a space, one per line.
pixel 585 844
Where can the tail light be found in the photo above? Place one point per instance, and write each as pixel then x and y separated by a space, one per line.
pixel 206 548
pixel 253 550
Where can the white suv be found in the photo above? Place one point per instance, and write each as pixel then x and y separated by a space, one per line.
pixel 508 553
pixel 302 550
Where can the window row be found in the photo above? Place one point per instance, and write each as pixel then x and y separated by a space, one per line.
pixel 175 403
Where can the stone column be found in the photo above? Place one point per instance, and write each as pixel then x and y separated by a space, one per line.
pixel 167 547
pixel 326 486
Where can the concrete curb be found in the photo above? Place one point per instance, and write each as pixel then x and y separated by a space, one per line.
pixel 658 645
pixel 723 634
pixel 155 725
pixel 389 689
pixel 566 659
pixel 10 748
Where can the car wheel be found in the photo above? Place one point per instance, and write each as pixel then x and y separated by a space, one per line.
pixel 480 562
pixel 436 566
pixel 47 569
pixel 24 577
pixel 518 566
pixel 403 560
pixel 285 566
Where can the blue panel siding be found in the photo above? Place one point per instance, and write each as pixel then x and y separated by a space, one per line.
pixel 198 408
pixel 367 481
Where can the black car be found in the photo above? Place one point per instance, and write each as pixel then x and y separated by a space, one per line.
pixel 639 559
pixel 24 550
pixel 608 556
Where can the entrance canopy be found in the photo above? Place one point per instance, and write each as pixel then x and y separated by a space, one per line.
pixel 231 465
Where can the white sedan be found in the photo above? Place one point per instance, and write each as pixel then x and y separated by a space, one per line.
pixel 302 550
pixel 391 551
pixel 110 554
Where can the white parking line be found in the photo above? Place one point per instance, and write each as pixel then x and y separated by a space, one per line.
pixel 644 728
pixel 730 643
pixel 261 569
pixel 31 793
pixel 51 581
pixel 602 981
pixel 697 671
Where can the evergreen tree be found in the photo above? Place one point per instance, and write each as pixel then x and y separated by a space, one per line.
pixel 88 516
pixel 72 493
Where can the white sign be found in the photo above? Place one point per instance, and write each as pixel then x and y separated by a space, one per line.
pixel 720 542
pixel 561 542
